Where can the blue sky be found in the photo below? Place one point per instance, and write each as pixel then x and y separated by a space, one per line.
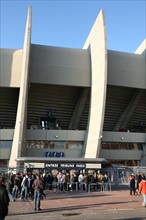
pixel 68 23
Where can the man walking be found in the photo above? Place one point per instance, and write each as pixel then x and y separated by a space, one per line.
pixel 38 187
pixel 132 185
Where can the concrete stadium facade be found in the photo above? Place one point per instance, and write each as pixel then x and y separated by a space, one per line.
pixel 73 103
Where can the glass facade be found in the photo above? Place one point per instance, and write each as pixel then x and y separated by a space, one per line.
pixel 120 146
pixel 54 145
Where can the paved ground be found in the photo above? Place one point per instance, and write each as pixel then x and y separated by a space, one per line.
pixel 115 204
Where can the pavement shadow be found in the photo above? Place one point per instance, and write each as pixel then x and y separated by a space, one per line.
pixel 69 195
pixel 70 208
pixel 133 218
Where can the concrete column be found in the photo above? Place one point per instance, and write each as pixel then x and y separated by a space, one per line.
pixel 127 113
pixel 74 123
pixel 143 157
pixel 19 139
pixel 96 44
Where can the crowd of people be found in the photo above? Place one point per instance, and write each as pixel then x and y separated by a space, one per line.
pixel 21 184
pixel 29 185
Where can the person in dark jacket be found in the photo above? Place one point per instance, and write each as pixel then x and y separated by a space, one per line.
pixel 86 180
pixel 132 185
pixel 10 185
pixel 138 180
pixel 4 199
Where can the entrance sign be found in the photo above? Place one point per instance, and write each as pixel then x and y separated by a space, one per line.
pixel 65 165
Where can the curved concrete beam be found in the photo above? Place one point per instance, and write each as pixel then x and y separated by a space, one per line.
pixel 19 139
pixel 142 48
pixel 96 44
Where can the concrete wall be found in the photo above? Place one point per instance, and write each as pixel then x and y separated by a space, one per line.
pixel 6 134
pixel 5 153
pixel 121 154
pixel 57 135
pixel 10 67
pixel 60 66
pixel 73 135
pixel 125 69
pixel 64 66
pixel 129 137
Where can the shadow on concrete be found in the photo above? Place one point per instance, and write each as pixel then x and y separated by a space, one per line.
pixel 70 195
pixel 132 218
pixel 70 208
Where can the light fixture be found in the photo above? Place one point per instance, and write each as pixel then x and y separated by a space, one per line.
pixel 122 138
pixel 100 137
pixel 56 136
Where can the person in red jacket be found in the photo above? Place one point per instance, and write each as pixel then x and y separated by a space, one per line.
pixel 142 190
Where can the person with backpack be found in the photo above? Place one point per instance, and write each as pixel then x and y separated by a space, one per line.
pixel 4 199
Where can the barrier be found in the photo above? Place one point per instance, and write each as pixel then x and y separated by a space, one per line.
pixel 81 185
pixel 69 184
pixel 102 186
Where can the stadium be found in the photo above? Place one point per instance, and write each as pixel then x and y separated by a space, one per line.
pixel 86 104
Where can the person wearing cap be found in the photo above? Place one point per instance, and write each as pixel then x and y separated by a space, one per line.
pixel 142 190
pixel 4 199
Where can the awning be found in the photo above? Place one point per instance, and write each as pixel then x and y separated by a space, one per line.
pixel 61 160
